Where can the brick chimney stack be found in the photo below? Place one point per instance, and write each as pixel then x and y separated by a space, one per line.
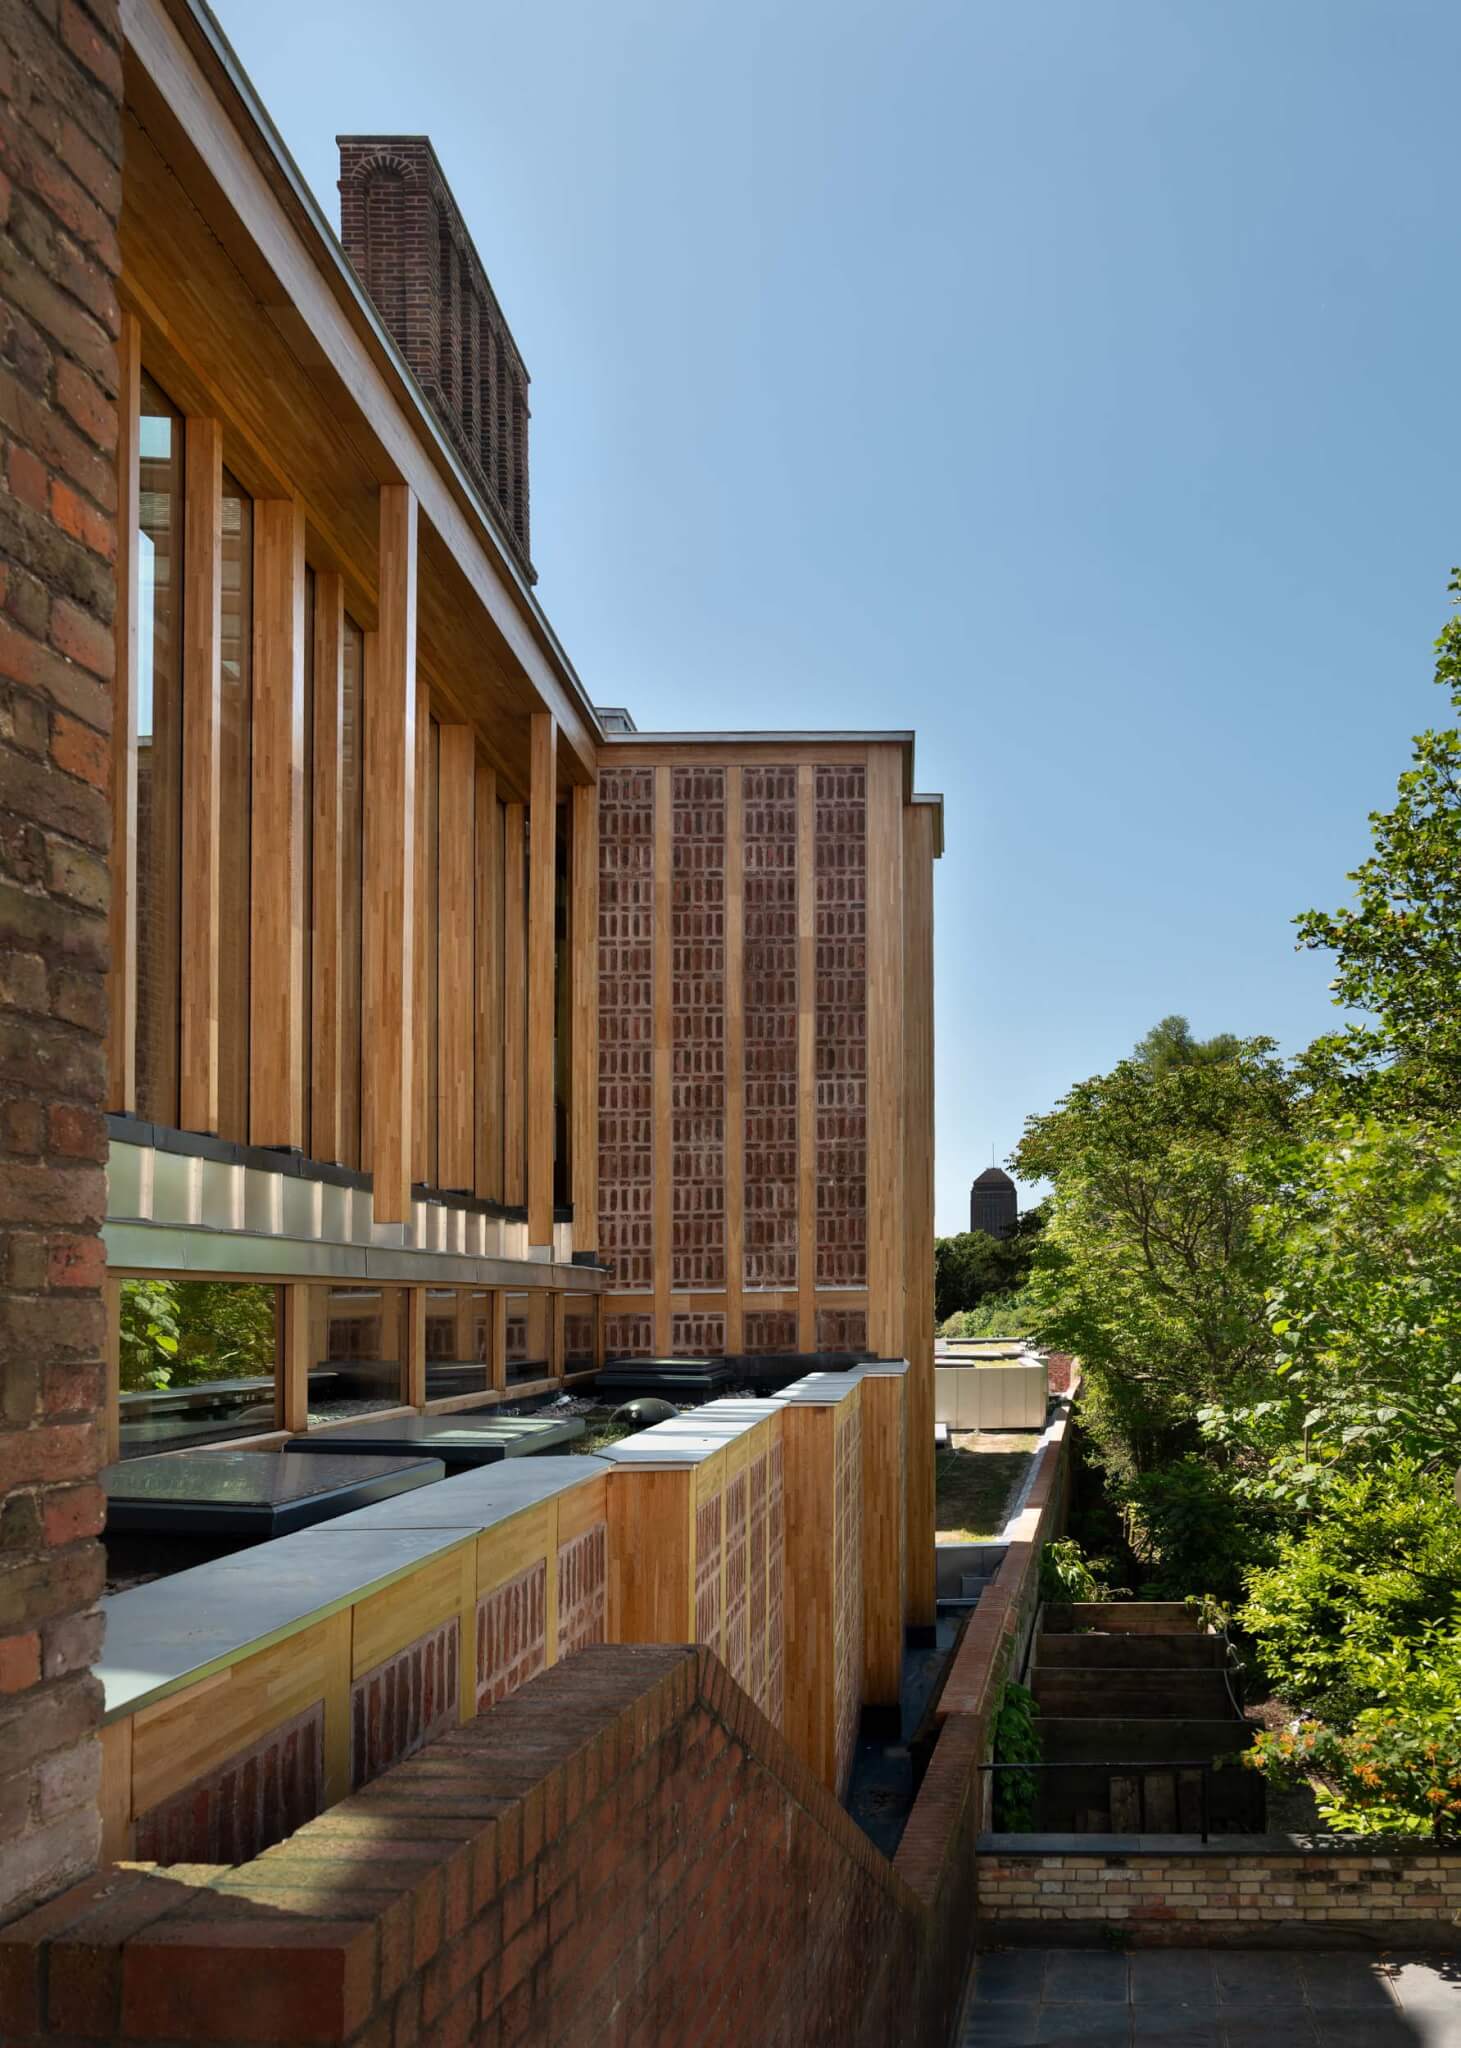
pixel 405 235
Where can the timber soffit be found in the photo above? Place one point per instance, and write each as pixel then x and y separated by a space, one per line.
pixel 211 47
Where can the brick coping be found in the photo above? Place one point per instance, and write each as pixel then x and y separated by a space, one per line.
pixel 1063 1848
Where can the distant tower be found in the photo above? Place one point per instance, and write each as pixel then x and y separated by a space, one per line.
pixel 994 1206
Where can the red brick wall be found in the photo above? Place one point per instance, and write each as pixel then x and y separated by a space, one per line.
pixel 841 998
pixel 769 998
pixel 697 1043
pixel 626 1041
pixel 623 1852
pixel 411 249
pixel 60 152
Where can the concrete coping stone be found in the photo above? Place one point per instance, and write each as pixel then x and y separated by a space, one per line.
pixel 687 1439
pixel 175 1631
pixel 472 1501
pixel 819 1390
pixel 1310 1847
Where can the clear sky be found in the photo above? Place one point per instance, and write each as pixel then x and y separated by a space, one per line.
pixel 1072 380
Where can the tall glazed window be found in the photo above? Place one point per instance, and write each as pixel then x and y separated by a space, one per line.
pixel 159 753
pixel 235 796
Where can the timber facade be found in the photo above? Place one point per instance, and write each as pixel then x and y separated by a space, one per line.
pixel 474 1037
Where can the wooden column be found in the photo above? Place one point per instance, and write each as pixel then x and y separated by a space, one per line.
pixel 918 1204
pixel 542 1009
pixel 327 880
pixel 514 1009
pixel 276 960
pixel 413 1389
pixel 295 1326
pixel 823 1584
pixel 584 942
pixel 735 1063
pixel 202 765
pixel 488 985
pixel 390 861
pixel 122 975
pixel 559 1345
pixel 885 1051
pixel 662 1238
pixel 497 1345
pixel 884 1533
pixel 423 1105
pixel 806 1057
pixel 456 835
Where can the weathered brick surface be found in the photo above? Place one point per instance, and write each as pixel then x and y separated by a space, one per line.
pixel 625 1851
pixel 1403 1895
pixel 512 1634
pixel 253 1800
pixel 404 1701
pixel 60 154
pixel 403 232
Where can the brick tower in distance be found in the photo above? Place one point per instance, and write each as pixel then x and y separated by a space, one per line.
pixel 404 233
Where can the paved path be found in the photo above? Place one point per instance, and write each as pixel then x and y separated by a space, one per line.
pixel 1190 1998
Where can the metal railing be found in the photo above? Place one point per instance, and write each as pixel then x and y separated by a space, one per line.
pixel 1167 1771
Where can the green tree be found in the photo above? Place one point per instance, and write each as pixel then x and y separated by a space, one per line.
pixel 1149 1269
pixel 1171 1044
pixel 973 1266
pixel 1363 1239
pixel 1398 947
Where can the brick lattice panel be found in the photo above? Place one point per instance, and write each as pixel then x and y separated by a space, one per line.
pixel 737 1579
pixel 775 1586
pixel 405 1701
pixel 697 1336
pixel 246 1805
pixel 847 1580
pixel 768 797
pixel 583 1589
pixel 512 1634
pixel 697 1019
pixel 842 1329
pixel 626 1027
pixel 628 1336
pixel 770 1332
pixel 840 842
pixel 709 1612
pixel 756 1659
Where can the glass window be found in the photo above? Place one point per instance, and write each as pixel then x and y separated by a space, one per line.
pixel 198 1362
pixel 352 734
pixel 158 879
pixel 529 1336
pixel 235 797
pixel 458 1334
pixel 579 1319
pixel 357 1351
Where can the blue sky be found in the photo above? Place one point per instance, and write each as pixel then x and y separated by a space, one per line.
pixel 1072 380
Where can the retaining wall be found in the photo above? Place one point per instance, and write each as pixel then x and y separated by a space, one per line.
pixel 1278 1891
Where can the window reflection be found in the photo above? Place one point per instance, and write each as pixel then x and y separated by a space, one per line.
pixel 357 1348
pixel 529 1336
pixel 198 1362
pixel 159 753
pixel 458 1342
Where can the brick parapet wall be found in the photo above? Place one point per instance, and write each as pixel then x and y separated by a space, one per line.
pixel 1227 1894
pixel 624 1851
pixel 60 190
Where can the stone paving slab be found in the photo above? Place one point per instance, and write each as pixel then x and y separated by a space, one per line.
pixel 1189 1998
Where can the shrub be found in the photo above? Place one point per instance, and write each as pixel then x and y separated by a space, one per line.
pixel 1191 1532
pixel 1382 1563
pixel 1397 1769
pixel 1016 1741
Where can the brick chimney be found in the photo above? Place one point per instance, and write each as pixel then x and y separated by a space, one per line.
pixel 405 235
